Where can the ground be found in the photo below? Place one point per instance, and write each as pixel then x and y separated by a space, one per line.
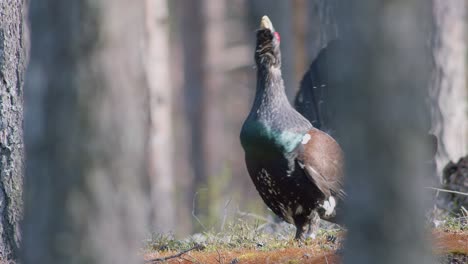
pixel 242 243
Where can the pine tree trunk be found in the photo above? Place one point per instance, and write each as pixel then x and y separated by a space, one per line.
pixel 382 124
pixel 160 144
pixel 322 26
pixel 203 39
pixel 449 93
pixel 13 59
pixel 212 105
pixel 183 168
pixel 192 30
pixel 86 133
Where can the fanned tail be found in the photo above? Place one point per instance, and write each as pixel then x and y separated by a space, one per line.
pixel 313 97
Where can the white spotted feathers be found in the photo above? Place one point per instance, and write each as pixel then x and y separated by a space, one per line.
pixel 329 206
pixel 305 139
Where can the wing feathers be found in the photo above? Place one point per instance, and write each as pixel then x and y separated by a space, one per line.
pixel 322 160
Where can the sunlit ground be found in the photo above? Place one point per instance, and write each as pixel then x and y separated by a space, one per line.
pixel 251 242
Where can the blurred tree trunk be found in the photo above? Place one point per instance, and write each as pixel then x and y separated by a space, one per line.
pixel 13 59
pixel 214 120
pixel 382 124
pixel 183 172
pixel 203 37
pixel 160 141
pixel 192 32
pixel 301 30
pixel 322 25
pixel 449 91
pixel 86 133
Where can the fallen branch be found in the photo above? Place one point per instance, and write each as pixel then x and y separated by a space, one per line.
pixel 225 213
pixel 464 211
pixel 193 211
pixel 178 255
pixel 447 191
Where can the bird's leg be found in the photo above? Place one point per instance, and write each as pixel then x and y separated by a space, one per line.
pixel 308 228
pixel 301 230
pixel 313 225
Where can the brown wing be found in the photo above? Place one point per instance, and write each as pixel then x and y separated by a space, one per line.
pixel 322 159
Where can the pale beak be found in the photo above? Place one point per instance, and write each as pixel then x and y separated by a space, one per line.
pixel 266 24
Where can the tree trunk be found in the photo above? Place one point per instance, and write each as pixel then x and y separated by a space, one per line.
pixel 449 91
pixel 13 49
pixel 183 171
pixel 322 26
pixel 212 104
pixel 382 124
pixel 160 141
pixel 203 40
pixel 86 133
pixel 192 31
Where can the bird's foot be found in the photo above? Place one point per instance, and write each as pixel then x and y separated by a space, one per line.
pixel 312 235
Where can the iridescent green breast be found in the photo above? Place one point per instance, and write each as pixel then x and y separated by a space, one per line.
pixel 259 138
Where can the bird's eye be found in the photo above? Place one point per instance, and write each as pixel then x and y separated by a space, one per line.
pixel 277 36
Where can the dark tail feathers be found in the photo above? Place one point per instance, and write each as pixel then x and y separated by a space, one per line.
pixel 313 97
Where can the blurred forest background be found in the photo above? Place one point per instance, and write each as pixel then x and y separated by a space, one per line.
pixel 181 75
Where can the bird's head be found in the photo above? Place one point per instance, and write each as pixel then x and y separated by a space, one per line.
pixel 267 52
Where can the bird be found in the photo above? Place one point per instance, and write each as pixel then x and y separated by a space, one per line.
pixel 313 100
pixel 296 168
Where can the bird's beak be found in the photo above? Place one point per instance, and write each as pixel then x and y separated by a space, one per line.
pixel 266 24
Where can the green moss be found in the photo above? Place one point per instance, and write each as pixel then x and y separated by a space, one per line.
pixel 455 223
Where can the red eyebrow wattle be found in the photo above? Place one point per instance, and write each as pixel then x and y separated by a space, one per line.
pixel 277 35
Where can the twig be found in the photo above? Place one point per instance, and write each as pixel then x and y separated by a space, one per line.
pixel 254 216
pixel 188 260
pixel 447 191
pixel 260 227
pixel 196 247
pixel 225 213
pixel 219 257
pixel 464 211
pixel 326 259
pixel 193 211
pixel 196 260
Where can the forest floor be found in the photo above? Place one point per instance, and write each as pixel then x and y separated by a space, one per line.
pixel 244 243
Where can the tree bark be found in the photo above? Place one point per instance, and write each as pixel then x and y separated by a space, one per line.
pixel 13 59
pixel 86 133
pixel 449 91
pixel 382 124
pixel 160 96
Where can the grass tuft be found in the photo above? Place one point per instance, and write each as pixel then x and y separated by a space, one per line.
pixel 245 235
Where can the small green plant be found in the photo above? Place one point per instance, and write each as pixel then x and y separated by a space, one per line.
pixel 455 223
pixel 166 242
